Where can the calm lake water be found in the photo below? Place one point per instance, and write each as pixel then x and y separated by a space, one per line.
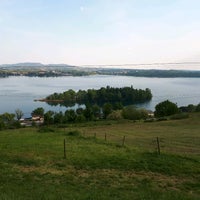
pixel 20 92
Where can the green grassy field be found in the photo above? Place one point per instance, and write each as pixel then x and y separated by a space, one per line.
pixel 32 164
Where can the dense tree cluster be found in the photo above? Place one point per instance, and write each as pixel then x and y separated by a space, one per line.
pixel 95 112
pixel 190 108
pixel 166 108
pixel 125 96
pixel 89 113
pixel 39 73
pixel 150 73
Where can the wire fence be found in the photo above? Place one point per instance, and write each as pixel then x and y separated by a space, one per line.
pixel 183 146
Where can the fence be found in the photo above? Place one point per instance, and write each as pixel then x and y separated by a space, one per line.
pixel 183 146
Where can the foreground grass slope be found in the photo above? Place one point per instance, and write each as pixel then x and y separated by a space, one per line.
pixel 32 164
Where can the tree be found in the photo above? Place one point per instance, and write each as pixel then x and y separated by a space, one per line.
pixel 166 108
pixel 107 109
pixel 96 110
pixel 88 112
pixel 58 118
pixel 198 108
pixel 18 114
pixel 8 117
pixel 7 120
pixel 38 112
pixel 70 115
pixel 48 117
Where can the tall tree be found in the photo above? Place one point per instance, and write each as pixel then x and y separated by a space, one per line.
pixel 19 114
pixel 107 109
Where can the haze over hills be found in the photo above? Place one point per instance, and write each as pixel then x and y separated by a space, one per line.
pixel 185 69
pixel 194 66
pixel 34 64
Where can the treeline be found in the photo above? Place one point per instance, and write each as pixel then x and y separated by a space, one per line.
pixel 7 73
pixel 91 113
pixel 151 73
pixel 125 96
pixel 163 111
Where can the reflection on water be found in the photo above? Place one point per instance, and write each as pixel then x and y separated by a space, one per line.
pixel 20 92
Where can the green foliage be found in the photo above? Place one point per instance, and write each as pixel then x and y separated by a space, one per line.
pixel 198 108
pixel 38 112
pixel 115 115
pixel 19 114
pixel 132 113
pixel 116 96
pixel 48 117
pixel 70 115
pixel 74 133
pixel 189 108
pixel 7 120
pixel 180 116
pixel 80 118
pixel 107 109
pixel 166 108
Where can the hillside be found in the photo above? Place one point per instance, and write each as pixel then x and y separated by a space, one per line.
pixel 99 165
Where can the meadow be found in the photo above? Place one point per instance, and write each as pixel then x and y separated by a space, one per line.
pixel 104 160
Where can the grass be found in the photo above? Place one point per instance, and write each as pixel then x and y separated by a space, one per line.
pixel 32 164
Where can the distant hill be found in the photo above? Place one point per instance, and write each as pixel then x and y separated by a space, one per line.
pixel 26 64
pixel 32 64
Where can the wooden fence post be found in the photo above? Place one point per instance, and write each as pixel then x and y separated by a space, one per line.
pixel 64 143
pixel 158 145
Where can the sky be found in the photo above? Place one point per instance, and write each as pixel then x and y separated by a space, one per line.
pixel 100 32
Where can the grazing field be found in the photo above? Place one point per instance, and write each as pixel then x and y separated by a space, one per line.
pixel 104 160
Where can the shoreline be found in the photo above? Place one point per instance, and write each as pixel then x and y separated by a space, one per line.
pixel 48 100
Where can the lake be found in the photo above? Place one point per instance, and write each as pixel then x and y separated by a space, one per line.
pixel 20 92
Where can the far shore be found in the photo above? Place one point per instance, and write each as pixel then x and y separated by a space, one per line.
pixel 48 100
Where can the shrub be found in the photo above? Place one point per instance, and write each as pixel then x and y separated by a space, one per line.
pixel 115 115
pixel 179 116
pixel 74 133
pixel 132 113
pixel 166 108
pixel 80 118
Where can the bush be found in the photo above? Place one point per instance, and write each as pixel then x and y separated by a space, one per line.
pixel 132 113
pixel 80 118
pixel 74 133
pixel 179 116
pixel 166 108
pixel 115 115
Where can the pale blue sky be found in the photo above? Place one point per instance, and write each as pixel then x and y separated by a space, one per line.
pixel 82 32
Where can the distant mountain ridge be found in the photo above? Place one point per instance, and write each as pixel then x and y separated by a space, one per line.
pixel 34 64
